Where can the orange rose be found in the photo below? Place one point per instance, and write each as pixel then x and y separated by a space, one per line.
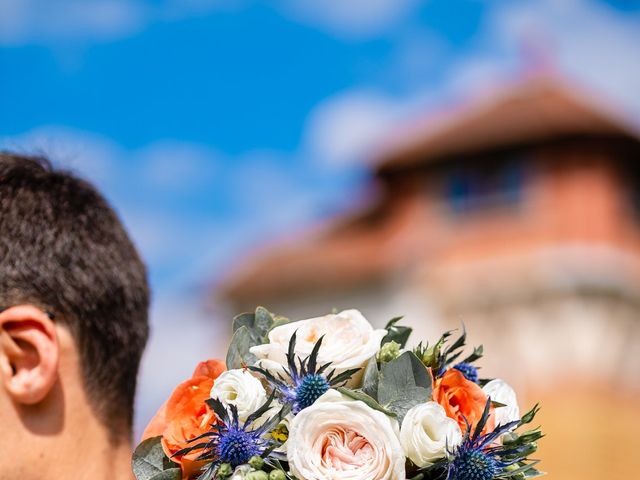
pixel 186 415
pixel 461 398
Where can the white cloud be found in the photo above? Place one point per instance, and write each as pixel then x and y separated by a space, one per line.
pixel 36 21
pixel 349 18
pixel 179 166
pixel 344 129
pixel 89 154
pixel 87 21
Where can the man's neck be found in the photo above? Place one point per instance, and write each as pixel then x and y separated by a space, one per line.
pixel 73 444
pixel 90 453
pixel 65 438
pixel 99 460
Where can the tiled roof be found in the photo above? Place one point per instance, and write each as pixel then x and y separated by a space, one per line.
pixel 535 110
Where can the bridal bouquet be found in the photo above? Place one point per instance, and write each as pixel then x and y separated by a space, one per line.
pixel 332 398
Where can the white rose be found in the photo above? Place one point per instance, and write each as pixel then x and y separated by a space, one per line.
pixel 338 438
pixel 500 391
pixel 427 432
pixel 240 388
pixel 349 342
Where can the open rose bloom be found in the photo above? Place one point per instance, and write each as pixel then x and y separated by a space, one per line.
pixel 332 398
pixel 339 437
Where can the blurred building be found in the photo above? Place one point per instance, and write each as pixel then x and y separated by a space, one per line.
pixel 519 215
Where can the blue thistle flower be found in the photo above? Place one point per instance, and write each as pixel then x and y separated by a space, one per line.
pixel 471 464
pixel 235 446
pixel 469 371
pixel 231 442
pixel 479 457
pixel 304 380
pixel 310 389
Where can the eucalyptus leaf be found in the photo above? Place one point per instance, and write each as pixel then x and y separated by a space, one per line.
pixel 403 383
pixel 243 320
pixel 370 378
pixel 150 463
pixel 263 320
pixel 238 354
pixel 366 399
pixel 170 474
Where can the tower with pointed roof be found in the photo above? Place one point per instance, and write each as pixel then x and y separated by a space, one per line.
pixel 518 215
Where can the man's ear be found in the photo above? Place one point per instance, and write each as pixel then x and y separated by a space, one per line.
pixel 29 353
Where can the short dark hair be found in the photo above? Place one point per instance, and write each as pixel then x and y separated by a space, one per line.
pixel 64 249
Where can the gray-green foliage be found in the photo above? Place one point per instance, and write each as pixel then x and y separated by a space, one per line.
pixel 150 463
pixel 249 330
pixel 403 383
pixel 396 383
pixel 395 387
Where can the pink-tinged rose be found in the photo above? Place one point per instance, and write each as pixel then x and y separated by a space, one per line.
pixel 338 438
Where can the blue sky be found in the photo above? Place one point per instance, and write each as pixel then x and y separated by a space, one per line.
pixel 218 126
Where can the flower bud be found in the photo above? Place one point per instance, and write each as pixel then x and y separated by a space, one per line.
pixel 256 462
pixel 389 351
pixel 224 470
pixel 277 475
pixel 431 355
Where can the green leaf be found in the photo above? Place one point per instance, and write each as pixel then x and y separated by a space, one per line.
pixel 363 397
pixel 530 415
pixel 403 383
pixel 238 354
pixel 396 333
pixel 258 323
pixel 370 378
pixel 243 320
pixel 150 463
pixel 279 320
pixel 477 354
pixel 170 474
pixel 263 322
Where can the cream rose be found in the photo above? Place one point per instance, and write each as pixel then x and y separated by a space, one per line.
pixel 349 342
pixel 500 391
pixel 427 432
pixel 240 388
pixel 338 438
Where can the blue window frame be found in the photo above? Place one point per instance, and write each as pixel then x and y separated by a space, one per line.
pixel 480 185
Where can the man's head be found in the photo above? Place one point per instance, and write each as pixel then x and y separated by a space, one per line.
pixel 67 270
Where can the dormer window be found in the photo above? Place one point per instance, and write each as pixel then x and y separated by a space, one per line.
pixel 481 184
